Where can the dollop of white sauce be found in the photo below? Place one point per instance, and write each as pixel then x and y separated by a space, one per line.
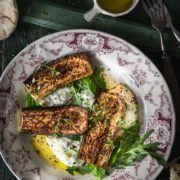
pixel 130 116
pixel 66 150
pixel 59 97
pixel 87 98
pixel 63 96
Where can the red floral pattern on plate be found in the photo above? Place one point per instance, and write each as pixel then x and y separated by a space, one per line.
pixel 125 61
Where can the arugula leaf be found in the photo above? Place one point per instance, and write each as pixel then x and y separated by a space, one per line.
pixel 145 136
pixel 158 158
pixel 98 79
pixel 95 83
pixel 130 147
pixel 124 142
pixel 99 173
pixel 76 100
pixel 90 84
pixel 30 102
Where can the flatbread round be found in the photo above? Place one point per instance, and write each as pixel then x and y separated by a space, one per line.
pixel 8 17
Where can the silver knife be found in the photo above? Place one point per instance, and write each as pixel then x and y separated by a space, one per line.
pixel 169 24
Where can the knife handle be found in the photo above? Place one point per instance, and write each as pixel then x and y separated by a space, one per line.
pixel 171 80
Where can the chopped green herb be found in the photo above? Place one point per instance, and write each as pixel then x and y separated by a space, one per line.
pixel 57 135
pixel 109 142
pixel 30 102
pixel 95 114
pixel 68 122
pixel 54 72
pixel 98 79
pixel 76 99
pixel 74 137
pixel 56 128
pixel 74 149
pixel 88 82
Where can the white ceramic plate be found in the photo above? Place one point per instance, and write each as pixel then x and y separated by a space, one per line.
pixel 124 62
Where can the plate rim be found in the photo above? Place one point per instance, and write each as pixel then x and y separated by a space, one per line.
pixel 112 36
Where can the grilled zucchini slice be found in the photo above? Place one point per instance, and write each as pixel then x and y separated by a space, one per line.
pixel 67 120
pixel 58 73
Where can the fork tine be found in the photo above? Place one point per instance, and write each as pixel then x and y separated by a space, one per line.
pixel 155 11
pixel 149 3
pixel 145 7
pixel 148 8
pixel 161 10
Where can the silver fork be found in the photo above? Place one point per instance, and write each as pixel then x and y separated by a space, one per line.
pixel 155 10
pixel 169 24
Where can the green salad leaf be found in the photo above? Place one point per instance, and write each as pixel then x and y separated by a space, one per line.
pixel 30 102
pixel 99 173
pixel 98 79
pixel 130 147
pixel 95 83
pixel 76 98
pixel 89 83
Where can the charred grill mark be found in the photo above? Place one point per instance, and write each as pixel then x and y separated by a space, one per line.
pixel 53 120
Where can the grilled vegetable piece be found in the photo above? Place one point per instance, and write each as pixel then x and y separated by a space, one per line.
pixel 92 142
pixel 102 131
pixel 58 73
pixel 131 113
pixel 67 120
pixel 113 131
pixel 110 104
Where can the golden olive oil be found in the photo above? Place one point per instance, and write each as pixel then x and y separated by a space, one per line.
pixel 115 6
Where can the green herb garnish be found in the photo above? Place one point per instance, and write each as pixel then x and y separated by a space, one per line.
pixel 89 84
pixel 130 147
pixel 68 122
pixel 53 71
pixel 73 137
pixel 96 114
pixel 74 149
pixel 99 173
pixel 109 142
pixel 95 83
pixel 76 100
pixel 57 135
pixel 30 102
pixel 98 79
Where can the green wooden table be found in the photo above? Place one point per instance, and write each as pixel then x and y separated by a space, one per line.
pixel 42 17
